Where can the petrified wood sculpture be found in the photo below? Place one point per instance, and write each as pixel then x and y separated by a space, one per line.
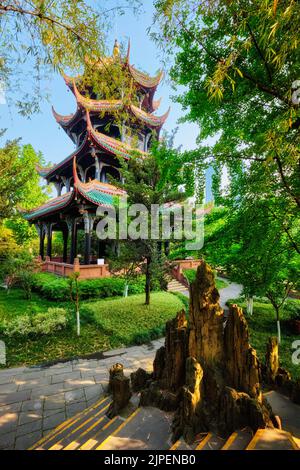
pixel 119 387
pixel 207 371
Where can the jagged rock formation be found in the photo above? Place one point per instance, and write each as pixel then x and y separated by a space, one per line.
pixel 119 387
pixel 207 371
pixel 139 379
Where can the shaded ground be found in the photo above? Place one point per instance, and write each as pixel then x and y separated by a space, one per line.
pixel 36 400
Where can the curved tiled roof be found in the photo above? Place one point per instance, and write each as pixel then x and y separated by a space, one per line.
pixel 65 121
pixel 143 79
pixel 113 146
pixel 101 194
pixel 51 206
pixel 46 172
pixel 150 119
pixel 97 105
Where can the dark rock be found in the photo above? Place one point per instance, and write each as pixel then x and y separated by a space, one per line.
pixel 119 387
pixel 139 379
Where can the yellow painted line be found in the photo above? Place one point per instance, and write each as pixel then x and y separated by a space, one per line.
pixel 92 442
pixel 126 421
pixel 204 441
pixel 56 446
pixel 256 437
pixel 175 445
pixel 65 424
pixel 72 444
pixel 229 441
pixel 294 444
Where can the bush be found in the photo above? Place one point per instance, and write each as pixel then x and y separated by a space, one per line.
pixel 190 275
pixel 53 320
pixel 57 289
pixel 292 308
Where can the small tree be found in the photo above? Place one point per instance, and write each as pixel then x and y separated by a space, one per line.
pixel 127 262
pixel 74 296
pixel 148 181
pixel 20 271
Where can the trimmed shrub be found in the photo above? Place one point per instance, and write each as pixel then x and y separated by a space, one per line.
pixel 55 288
pixel 54 319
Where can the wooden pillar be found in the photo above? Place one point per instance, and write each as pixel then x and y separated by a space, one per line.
pixel 65 249
pixel 73 230
pixel 88 226
pixel 49 239
pixel 167 248
pixel 42 243
pixel 101 248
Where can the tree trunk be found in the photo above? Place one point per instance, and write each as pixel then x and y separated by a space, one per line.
pixel 125 293
pixel 278 325
pixel 250 305
pixel 78 322
pixel 148 281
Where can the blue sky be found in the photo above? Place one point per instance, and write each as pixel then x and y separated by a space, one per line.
pixel 43 132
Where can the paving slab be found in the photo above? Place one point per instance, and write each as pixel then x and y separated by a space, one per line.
pixel 31 405
pixel 53 421
pixel 29 416
pixel 36 400
pixel 26 441
pixel 8 422
pixel 14 397
pixel 74 395
pixel 7 440
pixel 29 428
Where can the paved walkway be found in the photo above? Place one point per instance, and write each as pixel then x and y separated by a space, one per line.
pixel 230 292
pixel 34 400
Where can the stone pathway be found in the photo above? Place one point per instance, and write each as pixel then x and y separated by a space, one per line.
pixel 34 400
pixel 232 291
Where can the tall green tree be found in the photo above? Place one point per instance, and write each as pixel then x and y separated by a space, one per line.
pixel 239 64
pixel 153 180
pixel 20 188
pixel 41 36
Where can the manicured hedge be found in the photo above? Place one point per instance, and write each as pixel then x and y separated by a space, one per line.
pixel 57 288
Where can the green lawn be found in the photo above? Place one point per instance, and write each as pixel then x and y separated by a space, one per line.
pixel 262 325
pixel 106 324
pixel 190 275
pixel 129 321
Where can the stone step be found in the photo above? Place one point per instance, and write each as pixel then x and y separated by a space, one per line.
pixel 73 426
pixel 211 442
pixel 176 286
pixel 272 439
pixel 238 440
pixel 146 428
pixel 92 440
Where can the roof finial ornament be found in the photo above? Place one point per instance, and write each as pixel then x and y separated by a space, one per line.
pixel 116 49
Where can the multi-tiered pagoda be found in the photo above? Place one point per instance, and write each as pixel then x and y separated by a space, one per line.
pixel 82 178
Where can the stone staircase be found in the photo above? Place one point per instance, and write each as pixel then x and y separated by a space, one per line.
pixel 148 428
pixel 176 286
